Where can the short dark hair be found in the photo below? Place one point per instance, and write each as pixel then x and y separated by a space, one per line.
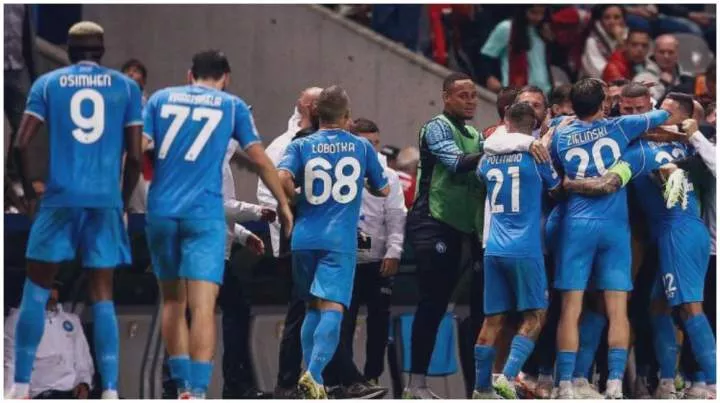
pixel 522 116
pixel 505 98
pixel 363 125
pixel 85 41
pixel 638 30
pixel 533 89
pixel 684 100
pixel 620 82
pixel 587 97
pixel 635 90
pixel 333 104
pixel 560 94
pixel 598 10
pixel 209 64
pixel 450 80
pixel 136 64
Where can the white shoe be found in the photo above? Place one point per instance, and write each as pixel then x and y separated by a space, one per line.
pixel 18 391
pixel 697 391
pixel 666 390
pixel 584 390
pixel 110 395
pixel 614 389
pixel 641 390
pixel 486 395
pixel 423 393
pixel 565 390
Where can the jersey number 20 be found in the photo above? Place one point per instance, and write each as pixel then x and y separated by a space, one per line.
pixel 180 114
pixel 317 169
pixel 596 155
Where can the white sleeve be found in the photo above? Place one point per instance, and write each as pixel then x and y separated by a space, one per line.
pixel 84 369
pixel 237 211
pixel 705 148
pixel 241 234
pixel 505 144
pixel 9 349
pixel 395 215
pixel 593 61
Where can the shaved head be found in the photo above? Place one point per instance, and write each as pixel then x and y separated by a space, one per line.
pixel 666 52
pixel 698 111
pixel 667 40
pixel 306 100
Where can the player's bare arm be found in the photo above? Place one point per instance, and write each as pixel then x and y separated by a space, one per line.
pixel 269 175
pixel 133 156
pixel 29 126
pixel 600 186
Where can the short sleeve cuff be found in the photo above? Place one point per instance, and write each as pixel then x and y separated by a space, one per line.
pixel 35 114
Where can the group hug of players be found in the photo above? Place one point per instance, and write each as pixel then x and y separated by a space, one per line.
pixel 96 125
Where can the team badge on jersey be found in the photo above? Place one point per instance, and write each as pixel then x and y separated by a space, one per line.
pixel 440 247
pixel 68 326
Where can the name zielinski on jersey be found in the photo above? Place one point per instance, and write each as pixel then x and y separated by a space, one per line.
pixel 86 80
pixel 587 136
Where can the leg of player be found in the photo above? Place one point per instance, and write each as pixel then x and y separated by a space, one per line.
pixel 325 340
pixel 31 324
pixel 105 329
pixel 618 341
pixel 592 325
pixel 485 356
pixel 175 333
pixel 666 348
pixel 203 334
pixel 572 302
pixel 702 340
pixel 520 349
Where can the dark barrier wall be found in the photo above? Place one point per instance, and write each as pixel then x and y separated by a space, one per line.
pixel 275 51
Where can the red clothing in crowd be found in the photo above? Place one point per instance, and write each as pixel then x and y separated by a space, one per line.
pixel 408 182
pixel 618 67
pixel 488 131
pixel 147 168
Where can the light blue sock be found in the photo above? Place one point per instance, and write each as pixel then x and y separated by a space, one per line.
pixel 180 371
pixel 591 329
pixel 307 331
pixel 200 373
pixel 107 344
pixel 617 358
pixel 325 342
pixel 484 358
pixel 703 345
pixel 520 350
pixel 564 363
pixel 665 343
pixel 29 329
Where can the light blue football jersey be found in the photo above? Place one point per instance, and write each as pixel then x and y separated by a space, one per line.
pixel 515 184
pixel 583 149
pixel 86 108
pixel 191 127
pixel 330 167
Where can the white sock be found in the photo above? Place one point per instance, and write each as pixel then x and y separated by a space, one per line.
pixel 417 381
pixel 564 384
pixel 22 389
pixel 614 383
pixel 700 384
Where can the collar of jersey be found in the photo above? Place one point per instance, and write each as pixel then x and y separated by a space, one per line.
pixel 88 62
pixel 204 86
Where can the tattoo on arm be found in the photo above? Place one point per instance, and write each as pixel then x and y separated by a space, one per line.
pixel 604 185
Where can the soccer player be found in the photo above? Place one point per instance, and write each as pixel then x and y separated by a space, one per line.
pixel 190 127
pixel 330 167
pixel 93 116
pixel 595 235
pixel 514 268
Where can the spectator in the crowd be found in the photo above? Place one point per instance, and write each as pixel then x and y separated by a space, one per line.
pixel 407 165
pixel 515 53
pixel 19 71
pixel 666 73
pixel 136 70
pixel 63 366
pixel 607 33
pixel 673 18
pixel 382 224
pixel 399 22
pixel 505 98
pixel 629 60
pixel 559 100
pixel 570 26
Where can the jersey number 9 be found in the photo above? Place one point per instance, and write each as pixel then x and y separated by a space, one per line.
pixel 89 129
pixel 316 169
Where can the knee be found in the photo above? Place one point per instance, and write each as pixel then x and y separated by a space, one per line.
pixel 101 285
pixel 687 311
pixel 492 326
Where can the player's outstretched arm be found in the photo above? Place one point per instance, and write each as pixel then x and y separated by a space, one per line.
pixel 133 155
pixel 29 126
pixel 611 182
pixel 269 175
